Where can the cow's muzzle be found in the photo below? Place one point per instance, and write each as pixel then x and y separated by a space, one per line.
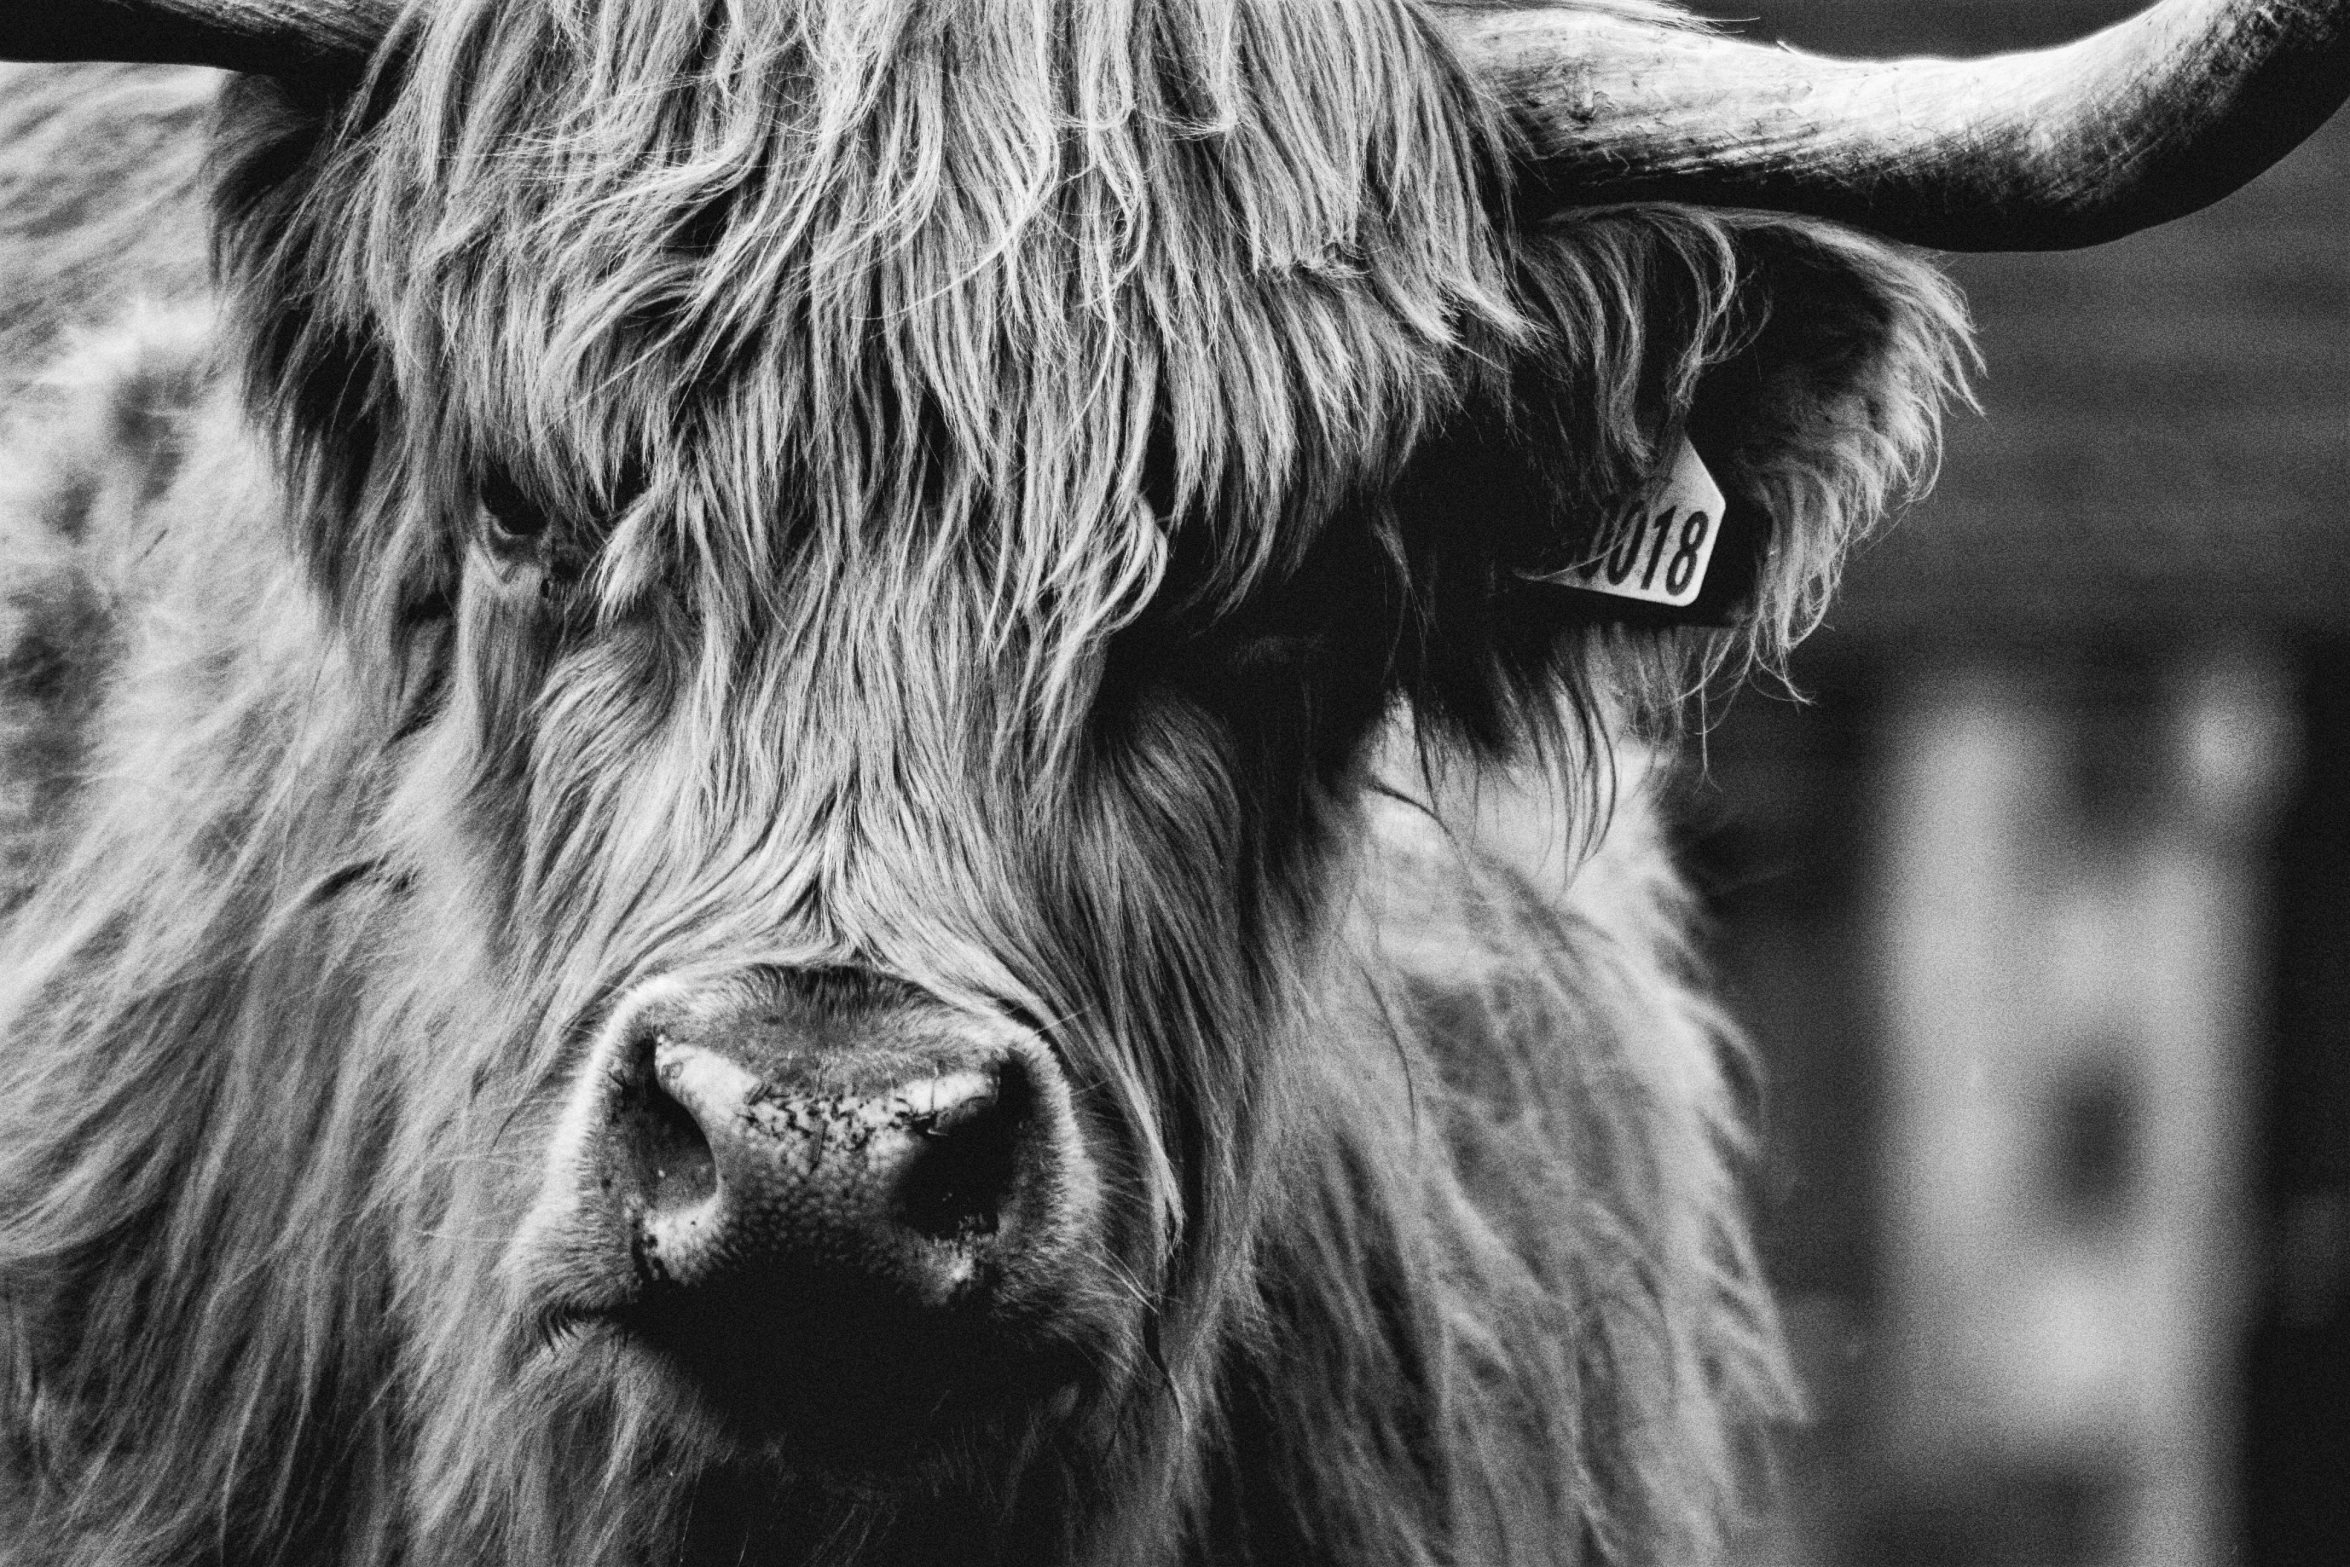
pixel 897 1172
pixel 843 1211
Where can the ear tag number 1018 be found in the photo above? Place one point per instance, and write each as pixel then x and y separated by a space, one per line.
pixel 1657 553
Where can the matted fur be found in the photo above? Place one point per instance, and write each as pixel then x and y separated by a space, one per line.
pixel 1007 469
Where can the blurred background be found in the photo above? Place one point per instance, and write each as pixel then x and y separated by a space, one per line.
pixel 2039 909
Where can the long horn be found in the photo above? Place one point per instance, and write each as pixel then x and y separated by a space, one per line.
pixel 291 38
pixel 2042 150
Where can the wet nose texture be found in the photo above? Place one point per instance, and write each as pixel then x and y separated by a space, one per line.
pixel 820 1205
pixel 895 1180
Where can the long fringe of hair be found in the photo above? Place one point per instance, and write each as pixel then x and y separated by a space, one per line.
pixel 896 369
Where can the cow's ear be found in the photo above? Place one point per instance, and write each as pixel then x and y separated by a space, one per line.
pixel 1823 409
pixel 1798 370
pixel 1803 367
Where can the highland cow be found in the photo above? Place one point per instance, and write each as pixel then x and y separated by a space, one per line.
pixel 865 782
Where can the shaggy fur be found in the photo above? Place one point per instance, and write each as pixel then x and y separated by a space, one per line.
pixel 1041 501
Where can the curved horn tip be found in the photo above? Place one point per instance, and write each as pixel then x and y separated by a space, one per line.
pixel 2045 149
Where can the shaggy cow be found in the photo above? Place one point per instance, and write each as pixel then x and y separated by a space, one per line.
pixel 863 781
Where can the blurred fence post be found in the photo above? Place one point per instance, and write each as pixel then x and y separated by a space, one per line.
pixel 2072 939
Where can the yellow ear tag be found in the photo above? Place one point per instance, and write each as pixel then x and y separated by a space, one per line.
pixel 1658 552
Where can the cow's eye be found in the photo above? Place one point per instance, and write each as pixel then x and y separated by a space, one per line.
pixel 512 515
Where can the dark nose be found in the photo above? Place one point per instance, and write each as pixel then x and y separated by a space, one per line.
pixel 843 1204
pixel 824 1137
pixel 860 1171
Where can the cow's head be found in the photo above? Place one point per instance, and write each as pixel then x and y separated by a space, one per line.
pixel 880 535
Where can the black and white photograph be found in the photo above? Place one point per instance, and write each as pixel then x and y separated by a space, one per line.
pixel 1174 783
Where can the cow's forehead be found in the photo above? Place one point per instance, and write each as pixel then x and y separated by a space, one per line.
pixel 855 286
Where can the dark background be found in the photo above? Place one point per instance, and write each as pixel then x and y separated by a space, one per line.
pixel 2150 501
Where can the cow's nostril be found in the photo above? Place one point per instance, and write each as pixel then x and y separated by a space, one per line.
pixel 831 1215
pixel 675 1166
pixel 961 1173
pixel 812 1173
